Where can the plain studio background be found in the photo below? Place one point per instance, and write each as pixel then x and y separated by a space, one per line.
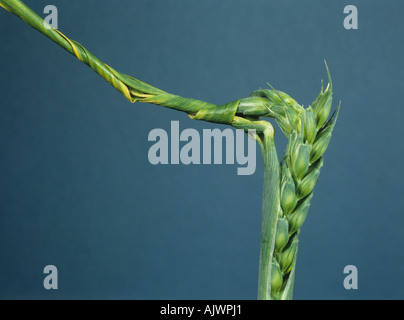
pixel 77 190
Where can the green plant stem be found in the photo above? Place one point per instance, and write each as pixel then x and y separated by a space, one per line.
pixel 271 210
pixel 307 130
pixel 136 90
pixel 133 89
pixel 270 213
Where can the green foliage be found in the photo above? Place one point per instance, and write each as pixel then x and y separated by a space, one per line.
pixel 288 186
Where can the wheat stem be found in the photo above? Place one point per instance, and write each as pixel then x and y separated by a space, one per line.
pixel 270 213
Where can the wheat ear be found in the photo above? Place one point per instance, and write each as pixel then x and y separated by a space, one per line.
pixel 309 131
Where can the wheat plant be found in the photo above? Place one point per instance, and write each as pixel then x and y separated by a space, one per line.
pixel 288 183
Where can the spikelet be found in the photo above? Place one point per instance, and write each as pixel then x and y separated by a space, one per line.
pixel 300 160
pixel 276 277
pixel 288 191
pixel 297 218
pixel 323 138
pixel 306 186
pixel 320 145
pixel 288 257
pixel 282 234
pixel 309 124
pixel 322 105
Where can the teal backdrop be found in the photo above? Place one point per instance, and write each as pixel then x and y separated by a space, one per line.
pixel 77 190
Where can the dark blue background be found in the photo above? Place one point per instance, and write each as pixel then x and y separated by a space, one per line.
pixel 77 190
